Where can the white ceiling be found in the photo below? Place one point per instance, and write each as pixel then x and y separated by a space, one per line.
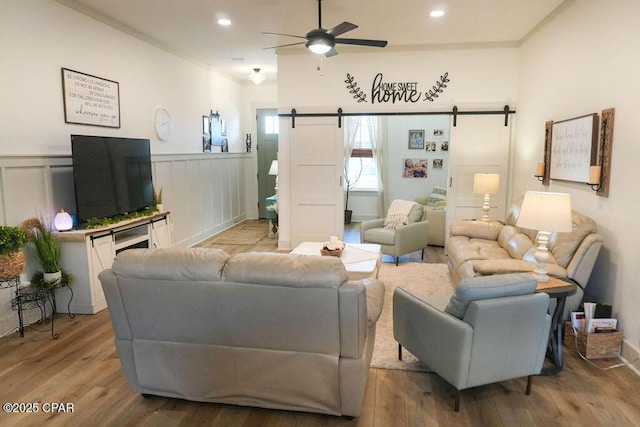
pixel 189 29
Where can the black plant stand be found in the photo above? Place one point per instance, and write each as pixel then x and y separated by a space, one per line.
pixel 28 298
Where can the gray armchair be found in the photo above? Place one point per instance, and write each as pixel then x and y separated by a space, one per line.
pixel 493 328
pixel 403 240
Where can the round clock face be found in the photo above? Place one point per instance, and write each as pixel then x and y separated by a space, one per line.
pixel 163 124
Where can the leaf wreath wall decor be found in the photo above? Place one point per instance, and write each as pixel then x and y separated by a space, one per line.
pixel 384 92
pixel 354 90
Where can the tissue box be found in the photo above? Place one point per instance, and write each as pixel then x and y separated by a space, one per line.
pixel 593 346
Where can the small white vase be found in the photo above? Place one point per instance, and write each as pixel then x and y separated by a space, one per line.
pixel 52 278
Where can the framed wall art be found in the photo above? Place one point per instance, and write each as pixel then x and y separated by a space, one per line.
pixel 206 134
pixel 574 146
pixel 414 168
pixel 416 139
pixel 90 100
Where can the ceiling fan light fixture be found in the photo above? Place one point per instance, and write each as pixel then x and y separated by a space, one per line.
pixel 437 13
pixel 257 77
pixel 319 47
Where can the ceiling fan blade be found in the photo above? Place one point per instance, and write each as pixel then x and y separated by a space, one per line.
pixel 342 28
pixel 332 52
pixel 280 34
pixel 363 42
pixel 283 45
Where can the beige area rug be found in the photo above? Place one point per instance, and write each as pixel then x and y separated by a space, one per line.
pixel 419 279
pixel 249 234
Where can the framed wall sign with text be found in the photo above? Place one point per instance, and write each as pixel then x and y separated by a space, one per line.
pixel 90 100
pixel 573 148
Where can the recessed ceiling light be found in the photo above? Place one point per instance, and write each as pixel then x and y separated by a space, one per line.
pixel 224 22
pixel 437 13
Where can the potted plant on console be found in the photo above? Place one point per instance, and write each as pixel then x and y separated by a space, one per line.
pixel 12 240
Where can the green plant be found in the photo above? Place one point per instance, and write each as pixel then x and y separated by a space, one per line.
pixel 105 222
pixel 46 247
pixel 12 239
pixel 157 196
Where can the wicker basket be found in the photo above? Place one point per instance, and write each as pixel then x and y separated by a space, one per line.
pixel 11 265
pixel 593 346
pixel 327 252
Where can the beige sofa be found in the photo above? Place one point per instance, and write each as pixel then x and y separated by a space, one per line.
pixel 478 248
pixel 258 329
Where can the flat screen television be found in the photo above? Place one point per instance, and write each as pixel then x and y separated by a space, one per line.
pixel 112 176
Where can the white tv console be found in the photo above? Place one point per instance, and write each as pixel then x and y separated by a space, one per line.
pixel 85 253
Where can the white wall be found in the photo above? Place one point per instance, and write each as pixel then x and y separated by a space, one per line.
pixel 206 193
pixel 582 61
pixel 483 78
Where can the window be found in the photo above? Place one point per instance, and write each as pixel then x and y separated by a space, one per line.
pixel 362 169
pixel 271 124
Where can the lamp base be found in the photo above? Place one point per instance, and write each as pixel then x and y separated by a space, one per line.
pixel 486 207
pixel 542 257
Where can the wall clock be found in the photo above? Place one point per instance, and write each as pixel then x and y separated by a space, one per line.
pixel 163 124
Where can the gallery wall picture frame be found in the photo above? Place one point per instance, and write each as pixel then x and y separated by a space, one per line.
pixel 90 100
pixel 574 144
pixel 416 139
pixel 437 163
pixel 431 146
pixel 206 134
pixel 415 168
pixel 444 146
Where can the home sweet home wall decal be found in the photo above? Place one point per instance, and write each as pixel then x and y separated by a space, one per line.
pixel 384 92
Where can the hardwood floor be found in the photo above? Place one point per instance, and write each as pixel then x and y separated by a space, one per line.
pixel 82 368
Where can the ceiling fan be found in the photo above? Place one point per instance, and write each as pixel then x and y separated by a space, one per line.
pixel 322 42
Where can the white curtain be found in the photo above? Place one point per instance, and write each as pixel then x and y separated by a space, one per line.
pixel 377 148
pixel 374 129
pixel 352 124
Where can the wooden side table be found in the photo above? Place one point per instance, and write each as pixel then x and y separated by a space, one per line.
pixel 560 289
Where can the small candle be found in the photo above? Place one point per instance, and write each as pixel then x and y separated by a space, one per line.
pixel 540 169
pixel 594 174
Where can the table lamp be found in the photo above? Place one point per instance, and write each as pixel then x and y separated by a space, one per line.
pixel 273 170
pixel 487 184
pixel 546 213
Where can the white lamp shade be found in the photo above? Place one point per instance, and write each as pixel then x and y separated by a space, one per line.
pixel 486 183
pixel 319 48
pixel 273 170
pixel 63 221
pixel 545 212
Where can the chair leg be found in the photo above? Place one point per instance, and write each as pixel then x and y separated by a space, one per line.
pixel 529 381
pixel 397 260
pixel 399 351
pixel 422 254
pixel 457 406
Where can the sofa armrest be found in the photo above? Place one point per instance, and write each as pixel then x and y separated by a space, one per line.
pixel 488 267
pixel 412 237
pixel 439 340
pixel 584 258
pixel 366 225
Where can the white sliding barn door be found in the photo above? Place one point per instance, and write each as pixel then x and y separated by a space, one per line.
pixel 479 144
pixel 317 195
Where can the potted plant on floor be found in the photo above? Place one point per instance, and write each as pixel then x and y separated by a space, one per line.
pixel 46 248
pixel 12 240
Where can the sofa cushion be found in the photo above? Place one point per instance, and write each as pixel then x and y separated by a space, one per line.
pixel 564 245
pixel 518 245
pixel 302 271
pixel 479 229
pixel 488 287
pixel 383 236
pixel 171 264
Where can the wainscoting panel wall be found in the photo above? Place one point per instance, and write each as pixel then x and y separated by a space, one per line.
pixel 205 193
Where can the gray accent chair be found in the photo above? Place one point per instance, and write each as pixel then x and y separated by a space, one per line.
pixel 494 328
pixel 268 330
pixel 399 241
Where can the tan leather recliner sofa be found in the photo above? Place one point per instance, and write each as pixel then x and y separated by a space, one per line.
pixel 477 248
pixel 257 329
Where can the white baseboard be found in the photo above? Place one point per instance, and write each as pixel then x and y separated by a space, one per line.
pixel 631 354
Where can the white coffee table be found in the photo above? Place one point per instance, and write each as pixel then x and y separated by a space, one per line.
pixel 362 260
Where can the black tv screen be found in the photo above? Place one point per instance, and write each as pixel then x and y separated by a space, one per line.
pixel 112 176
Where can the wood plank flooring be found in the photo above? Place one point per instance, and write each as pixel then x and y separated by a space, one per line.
pixel 82 368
